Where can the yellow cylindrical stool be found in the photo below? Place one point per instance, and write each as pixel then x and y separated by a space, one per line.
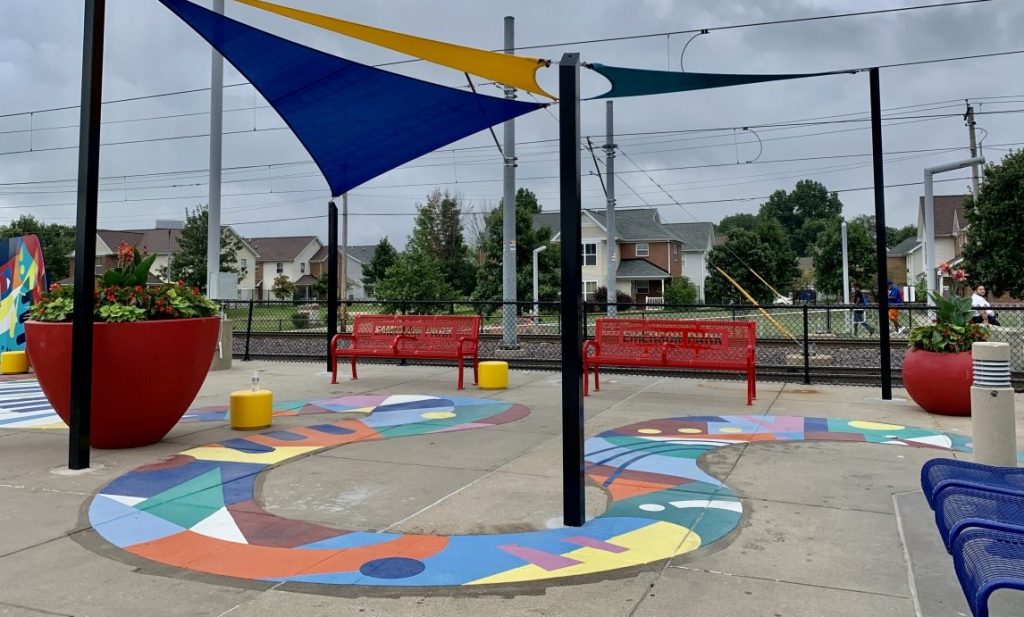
pixel 493 375
pixel 250 410
pixel 13 362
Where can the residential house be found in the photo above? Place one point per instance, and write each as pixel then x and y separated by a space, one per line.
pixel 648 252
pixel 289 256
pixel 950 235
pixel 903 260
pixel 359 258
pixel 698 240
pixel 163 242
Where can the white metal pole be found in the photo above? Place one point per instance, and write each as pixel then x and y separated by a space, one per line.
pixel 510 338
pixel 216 152
pixel 612 266
pixel 929 218
pixel 536 282
pixel 344 247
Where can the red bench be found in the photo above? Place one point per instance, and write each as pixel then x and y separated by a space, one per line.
pixel 429 337
pixel 672 343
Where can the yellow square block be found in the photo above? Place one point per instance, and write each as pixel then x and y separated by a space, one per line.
pixel 13 362
pixel 251 410
pixel 493 375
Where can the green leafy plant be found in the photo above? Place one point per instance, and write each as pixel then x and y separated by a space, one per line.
pixel 953 331
pixel 116 301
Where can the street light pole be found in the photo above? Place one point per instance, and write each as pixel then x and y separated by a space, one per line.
pixel 929 218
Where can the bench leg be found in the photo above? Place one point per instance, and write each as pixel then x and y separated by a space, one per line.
pixel 354 376
pixel 597 378
pixel 586 379
pixel 334 372
pixel 461 367
pixel 476 369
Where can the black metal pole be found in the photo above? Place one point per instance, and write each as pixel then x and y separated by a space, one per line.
pixel 880 252
pixel 332 277
pixel 85 238
pixel 248 328
pixel 571 201
pixel 807 346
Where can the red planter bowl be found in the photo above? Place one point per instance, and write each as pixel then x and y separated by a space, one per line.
pixel 144 374
pixel 939 382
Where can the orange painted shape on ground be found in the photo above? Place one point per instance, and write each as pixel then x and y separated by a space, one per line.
pixel 320 439
pixel 213 556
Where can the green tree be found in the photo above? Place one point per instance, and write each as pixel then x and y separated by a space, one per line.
pixel 437 235
pixel 764 249
pixel 993 254
pixel 893 235
pixel 56 240
pixel 188 263
pixel 807 211
pixel 414 279
pixel 736 221
pixel 283 288
pixel 828 257
pixel 681 291
pixel 384 256
pixel 489 274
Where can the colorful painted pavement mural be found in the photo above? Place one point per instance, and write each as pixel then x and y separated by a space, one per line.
pixel 199 510
pixel 22 282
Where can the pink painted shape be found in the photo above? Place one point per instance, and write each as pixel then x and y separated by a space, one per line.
pixel 779 424
pixel 595 543
pixel 539 558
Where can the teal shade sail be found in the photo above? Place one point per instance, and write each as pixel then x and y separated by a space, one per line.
pixel 356 121
pixel 641 82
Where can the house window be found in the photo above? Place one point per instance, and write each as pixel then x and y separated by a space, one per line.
pixel 642 288
pixel 244 264
pixel 280 267
pixel 302 267
pixel 643 249
pixel 590 254
pixel 589 289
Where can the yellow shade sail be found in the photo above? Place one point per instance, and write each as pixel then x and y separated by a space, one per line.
pixel 515 71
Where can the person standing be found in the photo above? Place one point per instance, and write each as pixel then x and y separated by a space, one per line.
pixel 859 319
pixel 984 314
pixel 895 301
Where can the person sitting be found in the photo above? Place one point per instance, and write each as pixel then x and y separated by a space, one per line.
pixel 985 314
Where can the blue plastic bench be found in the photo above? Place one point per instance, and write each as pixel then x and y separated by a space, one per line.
pixel 960 507
pixel 941 473
pixel 986 560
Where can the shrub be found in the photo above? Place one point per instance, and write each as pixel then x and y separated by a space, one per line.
pixel 681 291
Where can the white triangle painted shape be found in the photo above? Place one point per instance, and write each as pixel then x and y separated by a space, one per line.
pixel 220 525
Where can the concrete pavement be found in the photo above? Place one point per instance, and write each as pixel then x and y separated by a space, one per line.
pixel 830 528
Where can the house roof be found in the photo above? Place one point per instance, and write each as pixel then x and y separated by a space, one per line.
pixel 947 207
pixel 695 236
pixel 114 237
pixel 159 241
pixel 280 248
pixel 362 253
pixel 306 280
pixel 636 225
pixel 639 269
pixel 905 247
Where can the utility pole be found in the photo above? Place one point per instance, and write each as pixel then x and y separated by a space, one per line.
pixel 609 151
pixel 508 228
pixel 969 120
pixel 216 158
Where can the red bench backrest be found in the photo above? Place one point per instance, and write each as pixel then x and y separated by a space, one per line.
pixel 707 342
pixel 376 331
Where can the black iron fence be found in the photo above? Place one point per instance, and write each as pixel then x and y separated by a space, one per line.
pixel 836 344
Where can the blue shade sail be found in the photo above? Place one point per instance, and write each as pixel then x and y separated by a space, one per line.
pixel 356 121
pixel 640 82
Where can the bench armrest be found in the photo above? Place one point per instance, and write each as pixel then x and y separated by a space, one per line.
pixel 591 344
pixel 462 344
pixel 399 339
pixel 345 336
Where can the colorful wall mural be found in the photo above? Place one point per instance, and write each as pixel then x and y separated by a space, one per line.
pixel 22 282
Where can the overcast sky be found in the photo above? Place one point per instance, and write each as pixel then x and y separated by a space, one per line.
pixel 149 51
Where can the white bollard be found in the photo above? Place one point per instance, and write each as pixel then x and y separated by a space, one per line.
pixel 995 433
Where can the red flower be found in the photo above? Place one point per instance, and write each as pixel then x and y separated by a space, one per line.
pixel 54 286
pixel 125 254
pixel 138 288
pixel 944 267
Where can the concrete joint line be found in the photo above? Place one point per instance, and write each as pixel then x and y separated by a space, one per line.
pixel 789 582
pixel 906 555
